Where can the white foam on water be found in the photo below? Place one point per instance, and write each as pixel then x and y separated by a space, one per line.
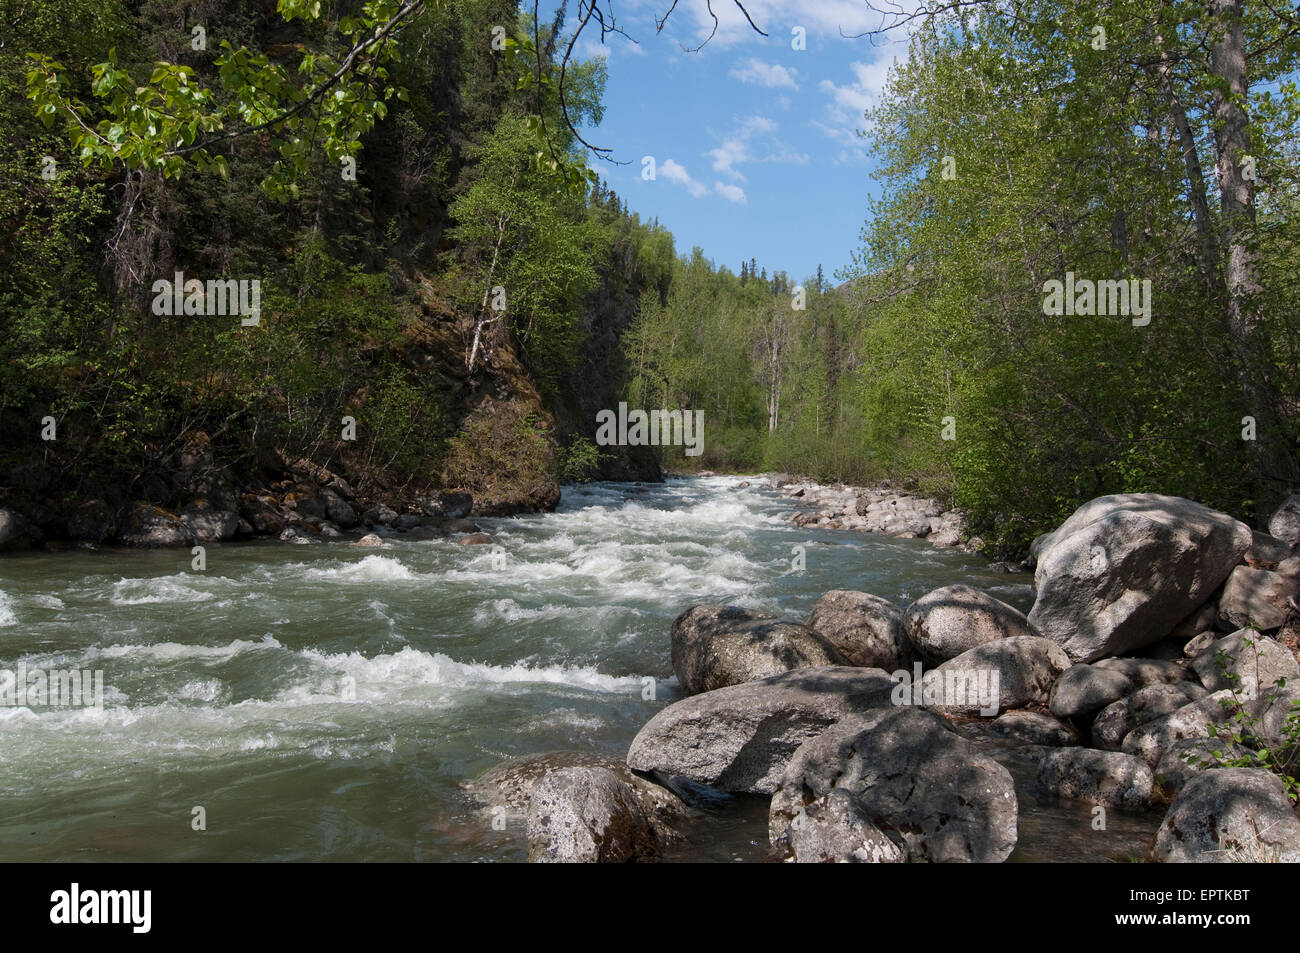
pixel 380 675
pixel 7 617
pixel 158 589
pixel 372 568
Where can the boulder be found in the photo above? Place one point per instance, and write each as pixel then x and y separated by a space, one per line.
pixel 865 630
pixel 1109 778
pixel 1255 597
pixel 297 536
pixel 448 505
pixel 207 523
pixel 1152 739
pixel 1247 662
pixel 1230 815
pixel 146 525
pixel 1083 689
pixel 510 785
pixel 262 513
pixel 913 777
pixel 716 646
pixel 587 816
pixel 1123 570
pixel 741 737
pixel 1196 646
pixel 1022 669
pixel 1284 524
pixel 1266 552
pixel 370 539
pixel 947 622
pixel 475 539
pixel 337 509
pixel 91 522
pixel 1033 728
pixel 306 501
pixel 380 515
pixel 1116 720
pixel 1185 759
pixel 835 829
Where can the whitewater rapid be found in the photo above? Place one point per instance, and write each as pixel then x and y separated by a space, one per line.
pixel 328 701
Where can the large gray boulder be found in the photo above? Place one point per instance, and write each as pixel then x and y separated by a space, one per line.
pixel 866 630
pixel 1123 570
pixel 1109 778
pixel 1284 524
pixel 740 738
pixel 1020 670
pixel 836 829
pixel 1116 720
pixel 914 778
pixel 1083 689
pixel 1230 815
pixel 717 646
pixel 1246 661
pixel 587 816
pixel 947 622
pixel 1255 597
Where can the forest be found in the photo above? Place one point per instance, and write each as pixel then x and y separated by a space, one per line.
pixel 442 264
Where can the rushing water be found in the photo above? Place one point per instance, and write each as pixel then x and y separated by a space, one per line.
pixel 328 702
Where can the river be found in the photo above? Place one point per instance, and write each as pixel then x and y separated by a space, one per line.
pixel 328 702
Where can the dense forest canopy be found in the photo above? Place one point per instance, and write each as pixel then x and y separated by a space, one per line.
pixel 440 262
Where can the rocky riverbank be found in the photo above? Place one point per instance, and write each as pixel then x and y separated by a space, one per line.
pixel 1154 674
pixel 885 509
pixel 286 498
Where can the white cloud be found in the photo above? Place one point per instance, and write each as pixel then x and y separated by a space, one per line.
pixel 676 173
pixel 821 18
pixel 772 75
pixel 735 149
pixel 851 100
pixel 732 193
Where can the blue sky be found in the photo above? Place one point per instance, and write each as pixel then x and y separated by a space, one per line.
pixel 754 142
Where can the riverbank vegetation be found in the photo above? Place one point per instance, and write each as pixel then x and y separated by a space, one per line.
pixel 1140 147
